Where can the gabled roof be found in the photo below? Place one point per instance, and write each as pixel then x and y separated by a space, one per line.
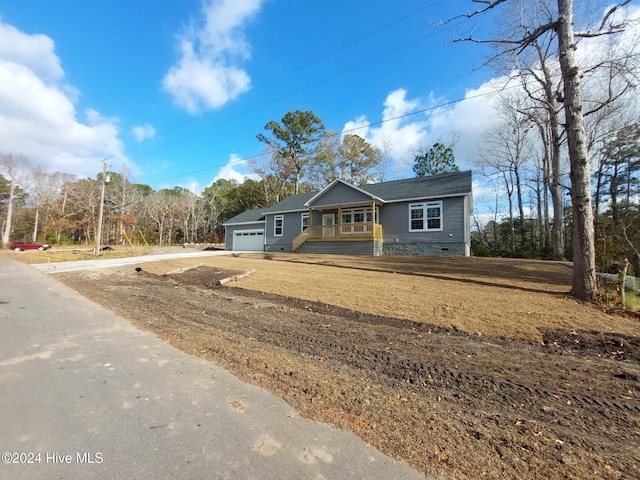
pixel 436 186
pixel 362 190
pixel 255 215
pixel 292 203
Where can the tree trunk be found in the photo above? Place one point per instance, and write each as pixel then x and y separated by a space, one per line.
pixel 7 226
pixel 512 232
pixel 34 237
pixel 541 224
pixel 584 271
pixel 516 172
pixel 553 167
pixel 622 283
pixel 555 187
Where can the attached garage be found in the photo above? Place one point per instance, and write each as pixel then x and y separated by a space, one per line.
pixel 245 232
pixel 248 240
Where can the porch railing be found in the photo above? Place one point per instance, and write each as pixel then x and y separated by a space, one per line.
pixel 300 239
pixel 345 231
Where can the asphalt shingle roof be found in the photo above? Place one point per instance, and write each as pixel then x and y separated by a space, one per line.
pixel 444 185
pixel 293 202
pixel 248 216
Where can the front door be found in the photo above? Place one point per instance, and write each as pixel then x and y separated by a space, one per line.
pixel 328 225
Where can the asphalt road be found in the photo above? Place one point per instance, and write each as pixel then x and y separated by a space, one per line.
pixel 84 394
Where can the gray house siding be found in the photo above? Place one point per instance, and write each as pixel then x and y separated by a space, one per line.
pixel 341 194
pixel 398 240
pixel 291 229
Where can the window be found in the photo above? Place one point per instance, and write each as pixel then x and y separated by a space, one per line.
pixel 278 225
pixel 359 215
pixel 425 216
pixel 304 221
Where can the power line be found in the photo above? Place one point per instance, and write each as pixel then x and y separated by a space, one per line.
pixel 368 125
pixel 290 94
pixel 312 62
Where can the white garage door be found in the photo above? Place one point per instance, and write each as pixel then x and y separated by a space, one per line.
pixel 248 240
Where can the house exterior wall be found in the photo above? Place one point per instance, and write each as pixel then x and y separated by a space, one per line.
pixel 453 239
pixel 229 229
pixel 291 229
pixel 341 194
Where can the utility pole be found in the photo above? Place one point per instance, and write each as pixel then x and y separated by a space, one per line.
pixel 104 181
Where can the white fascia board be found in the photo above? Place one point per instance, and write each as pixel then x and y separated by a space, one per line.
pixel 225 224
pixel 349 204
pixel 282 212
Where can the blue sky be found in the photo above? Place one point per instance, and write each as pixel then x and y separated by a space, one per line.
pixel 177 91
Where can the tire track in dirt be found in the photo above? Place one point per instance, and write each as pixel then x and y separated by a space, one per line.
pixel 421 375
pixel 439 399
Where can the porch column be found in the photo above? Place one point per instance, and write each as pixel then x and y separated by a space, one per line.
pixel 339 222
pixel 373 219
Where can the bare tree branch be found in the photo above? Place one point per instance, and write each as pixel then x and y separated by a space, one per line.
pixel 489 5
pixel 612 29
pixel 519 44
pixel 611 11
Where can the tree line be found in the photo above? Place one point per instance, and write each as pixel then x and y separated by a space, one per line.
pixel 59 208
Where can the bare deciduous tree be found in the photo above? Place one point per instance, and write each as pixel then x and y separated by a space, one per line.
pixel 561 21
pixel 15 169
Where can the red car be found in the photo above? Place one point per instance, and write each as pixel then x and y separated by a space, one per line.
pixel 17 246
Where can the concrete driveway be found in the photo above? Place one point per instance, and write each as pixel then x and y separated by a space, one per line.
pixel 87 395
pixel 61 267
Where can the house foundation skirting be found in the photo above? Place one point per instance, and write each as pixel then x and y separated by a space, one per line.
pixel 278 247
pixel 453 249
pixel 377 248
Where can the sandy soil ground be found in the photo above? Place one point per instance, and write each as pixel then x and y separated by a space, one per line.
pixel 463 368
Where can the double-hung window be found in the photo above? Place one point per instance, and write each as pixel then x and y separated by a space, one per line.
pixel 425 216
pixel 304 221
pixel 278 225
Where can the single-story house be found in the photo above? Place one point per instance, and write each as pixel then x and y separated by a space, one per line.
pixel 416 216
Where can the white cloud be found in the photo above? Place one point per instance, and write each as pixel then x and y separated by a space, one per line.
pixel 469 118
pixel 233 170
pixel 35 52
pixel 38 118
pixel 398 135
pixel 143 132
pixel 409 125
pixel 205 76
pixel 193 186
pixel 404 133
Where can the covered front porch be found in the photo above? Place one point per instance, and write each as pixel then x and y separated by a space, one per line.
pixel 341 223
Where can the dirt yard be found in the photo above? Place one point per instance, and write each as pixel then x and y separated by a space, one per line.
pixel 464 368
